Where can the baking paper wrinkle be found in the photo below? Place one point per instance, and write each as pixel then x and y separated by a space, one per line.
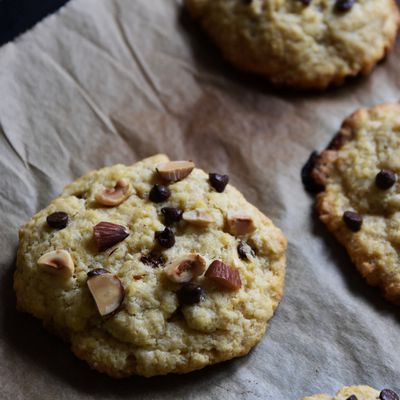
pixel 106 82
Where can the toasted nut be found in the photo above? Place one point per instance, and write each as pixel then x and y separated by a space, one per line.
pixel 200 217
pixel 107 234
pixel 106 289
pixel 57 262
pixel 173 171
pixel 224 275
pixel 240 223
pixel 185 268
pixel 116 195
pixel 245 251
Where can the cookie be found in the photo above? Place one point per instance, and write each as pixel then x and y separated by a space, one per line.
pixel 305 44
pixel 360 392
pixel 152 268
pixel 360 199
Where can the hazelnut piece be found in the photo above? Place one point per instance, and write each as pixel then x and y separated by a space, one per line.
pixel 115 196
pixel 224 275
pixel 57 262
pixel 185 268
pixel 106 289
pixel 245 251
pixel 173 171
pixel 240 223
pixel 200 217
pixel 107 234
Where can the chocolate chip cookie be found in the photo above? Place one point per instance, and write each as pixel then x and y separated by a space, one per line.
pixel 360 197
pixel 361 392
pixel 152 268
pixel 305 44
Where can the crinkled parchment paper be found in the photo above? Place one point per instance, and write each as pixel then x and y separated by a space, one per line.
pixel 104 82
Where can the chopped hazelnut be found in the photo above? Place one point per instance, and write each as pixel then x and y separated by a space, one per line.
pixel 240 223
pixel 224 275
pixel 185 268
pixel 107 234
pixel 245 251
pixel 115 196
pixel 173 171
pixel 57 262
pixel 200 217
pixel 106 289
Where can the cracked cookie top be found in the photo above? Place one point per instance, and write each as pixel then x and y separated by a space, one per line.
pixel 360 197
pixel 152 268
pixel 306 44
pixel 361 392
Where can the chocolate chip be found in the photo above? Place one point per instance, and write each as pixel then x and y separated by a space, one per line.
pixel 159 193
pixel 165 238
pixel 305 2
pixel 153 260
pixel 57 220
pixel 306 175
pixel 353 220
pixel 97 271
pixel 218 181
pixel 190 293
pixel 171 215
pixel 352 397
pixel 388 394
pixel 385 179
pixel 344 5
pixel 245 251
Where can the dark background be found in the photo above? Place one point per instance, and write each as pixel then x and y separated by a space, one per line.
pixel 17 16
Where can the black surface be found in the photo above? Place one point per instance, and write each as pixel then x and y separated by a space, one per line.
pixel 17 16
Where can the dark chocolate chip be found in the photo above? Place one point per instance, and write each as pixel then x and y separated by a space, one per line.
pixel 388 394
pixel 305 2
pixel 218 181
pixel 165 238
pixel 244 251
pixel 306 175
pixel 353 220
pixel 247 2
pixel 97 271
pixel 190 293
pixel 344 5
pixel 171 215
pixel 57 220
pixel 159 193
pixel 153 260
pixel 385 179
pixel 352 397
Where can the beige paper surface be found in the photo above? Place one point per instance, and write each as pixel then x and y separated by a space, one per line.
pixel 103 82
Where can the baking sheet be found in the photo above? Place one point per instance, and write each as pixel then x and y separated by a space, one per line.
pixel 103 82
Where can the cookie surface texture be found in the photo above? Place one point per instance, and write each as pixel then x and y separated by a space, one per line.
pixel 360 202
pixel 305 44
pixel 361 392
pixel 131 314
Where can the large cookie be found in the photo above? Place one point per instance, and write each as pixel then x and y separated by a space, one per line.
pixel 137 286
pixel 307 44
pixel 360 200
pixel 360 392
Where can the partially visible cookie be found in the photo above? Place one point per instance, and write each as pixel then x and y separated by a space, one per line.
pixel 360 200
pixel 360 392
pixel 305 44
pixel 152 268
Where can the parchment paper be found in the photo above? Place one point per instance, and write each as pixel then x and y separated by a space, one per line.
pixel 103 82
